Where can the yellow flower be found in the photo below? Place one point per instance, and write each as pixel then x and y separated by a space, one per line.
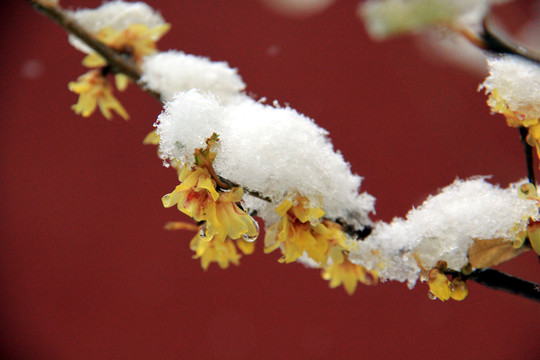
pixel 298 230
pixel 212 249
pixel 216 250
pixel 225 222
pixel 440 287
pixel 333 234
pixel 460 290
pixel 151 139
pixel 136 41
pixel 443 289
pixel 528 191
pixel 302 230
pixel 229 219
pixel 514 118
pixel 349 275
pixel 197 197
pixel 94 90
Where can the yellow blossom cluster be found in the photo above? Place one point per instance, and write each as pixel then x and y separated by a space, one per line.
pixel 440 287
pixel 532 233
pixel 302 230
pixel 134 42
pixel 95 90
pixel 516 118
pixel 224 221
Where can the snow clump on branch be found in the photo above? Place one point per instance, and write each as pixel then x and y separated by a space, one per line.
pixel 174 71
pixel 117 15
pixel 444 228
pixel 271 150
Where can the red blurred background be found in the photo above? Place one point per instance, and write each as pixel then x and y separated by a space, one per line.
pixel 88 272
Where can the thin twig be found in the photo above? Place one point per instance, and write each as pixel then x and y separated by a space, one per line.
pixel 117 62
pixel 528 155
pixel 497 280
pixel 495 41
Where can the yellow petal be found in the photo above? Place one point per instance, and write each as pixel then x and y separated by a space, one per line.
pixel 122 81
pixel 460 291
pixel 205 182
pixel 158 31
pixel 439 285
pixel 151 139
pixel 282 209
pixel 245 246
pixel 533 232
pixel 94 60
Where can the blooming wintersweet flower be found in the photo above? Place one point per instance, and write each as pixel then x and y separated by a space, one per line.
pixel 229 219
pixel 94 90
pixel 440 287
pixel 513 86
pixel 196 195
pixel 514 91
pixel 294 232
pixel 301 229
pixel 386 18
pixel 211 249
pixel 532 232
pixel 215 250
pixel 349 275
pixel 136 41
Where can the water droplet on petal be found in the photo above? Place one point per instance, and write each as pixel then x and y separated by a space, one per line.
pixel 431 296
pixel 202 232
pixel 248 238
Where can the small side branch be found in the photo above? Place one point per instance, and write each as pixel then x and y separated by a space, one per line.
pixel 496 42
pixel 528 155
pixel 492 40
pixel 497 280
pixel 117 62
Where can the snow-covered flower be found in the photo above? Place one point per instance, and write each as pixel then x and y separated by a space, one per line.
pixel 116 15
pixel 95 90
pixel 269 150
pixel 134 42
pixel 513 86
pixel 444 228
pixel 386 18
pixel 514 91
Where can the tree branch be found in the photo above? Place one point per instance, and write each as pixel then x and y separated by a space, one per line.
pixel 492 40
pixel 488 40
pixel 495 41
pixel 500 281
pixel 117 62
